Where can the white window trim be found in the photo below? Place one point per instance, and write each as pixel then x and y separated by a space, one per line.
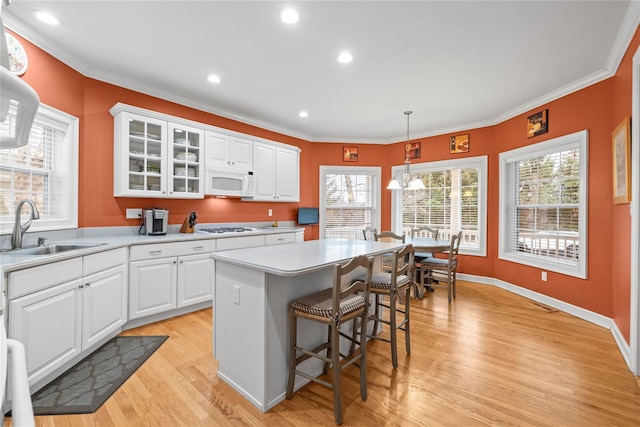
pixel 44 113
pixel 375 171
pixel 467 162
pixel 578 140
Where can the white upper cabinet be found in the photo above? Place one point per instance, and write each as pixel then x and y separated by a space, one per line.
pixel 276 172
pixel 161 156
pixel 155 157
pixel 186 147
pixel 228 151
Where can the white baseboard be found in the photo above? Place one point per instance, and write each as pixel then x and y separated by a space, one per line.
pixel 581 313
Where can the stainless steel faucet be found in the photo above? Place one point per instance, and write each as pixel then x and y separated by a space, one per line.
pixel 18 228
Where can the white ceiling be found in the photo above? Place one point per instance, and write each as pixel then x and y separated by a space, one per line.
pixel 456 64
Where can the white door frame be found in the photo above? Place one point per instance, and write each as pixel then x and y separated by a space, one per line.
pixel 634 333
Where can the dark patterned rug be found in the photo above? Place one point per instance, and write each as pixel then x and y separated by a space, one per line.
pixel 87 385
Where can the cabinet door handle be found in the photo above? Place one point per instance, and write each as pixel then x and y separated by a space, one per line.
pixel 198 248
pixel 87 284
pixel 157 252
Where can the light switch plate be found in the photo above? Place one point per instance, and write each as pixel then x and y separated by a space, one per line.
pixel 236 294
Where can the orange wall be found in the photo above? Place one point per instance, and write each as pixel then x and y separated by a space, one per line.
pixel 598 108
pixel 621 219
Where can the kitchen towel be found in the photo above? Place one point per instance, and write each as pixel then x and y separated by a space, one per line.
pixel 87 385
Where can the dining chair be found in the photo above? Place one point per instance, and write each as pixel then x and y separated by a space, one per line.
pixel 387 236
pixel 333 307
pixel 394 286
pixel 424 231
pixel 369 233
pixel 441 272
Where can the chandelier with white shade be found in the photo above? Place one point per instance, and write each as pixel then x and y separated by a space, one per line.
pixel 407 182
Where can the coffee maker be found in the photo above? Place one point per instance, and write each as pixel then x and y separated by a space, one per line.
pixel 156 221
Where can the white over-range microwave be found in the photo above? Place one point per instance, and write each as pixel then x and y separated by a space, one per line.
pixel 229 182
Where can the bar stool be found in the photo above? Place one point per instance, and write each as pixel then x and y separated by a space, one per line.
pixel 393 285
pixel 333 307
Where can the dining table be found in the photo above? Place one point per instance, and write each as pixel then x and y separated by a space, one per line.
pixel 426 244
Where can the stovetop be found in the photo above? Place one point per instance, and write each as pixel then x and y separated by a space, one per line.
pixel 218 230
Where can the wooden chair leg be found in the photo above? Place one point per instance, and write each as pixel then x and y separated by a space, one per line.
pixel 454 284
pixel 335 365
pixel 376 313
pixel 407 331
pixel 354 336
pixel 393 329
pixel 293 321
pixel 327 365
pixel 363 357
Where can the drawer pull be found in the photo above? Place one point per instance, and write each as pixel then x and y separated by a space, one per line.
pixel 198 248
pixel 280 239
pixel 157 252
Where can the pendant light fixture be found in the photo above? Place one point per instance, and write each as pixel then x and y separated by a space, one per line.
pixel 408 183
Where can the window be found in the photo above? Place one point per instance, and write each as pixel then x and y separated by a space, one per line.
pixel 45 171
pixel 454 200
pixel 349 201
pixel 543 205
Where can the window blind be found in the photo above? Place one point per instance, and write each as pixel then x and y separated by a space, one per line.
pixel 545 201
pixel 543 204
pixel 44 170
pixel 349 204
pixel 449 203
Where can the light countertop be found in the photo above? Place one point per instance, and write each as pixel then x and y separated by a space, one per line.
pixel 294 259
pixel 11 261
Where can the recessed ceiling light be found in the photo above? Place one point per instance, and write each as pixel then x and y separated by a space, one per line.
pixel 345 57
pixel 213 78
pixel 303 114
pixel 289 16
pixel 46 17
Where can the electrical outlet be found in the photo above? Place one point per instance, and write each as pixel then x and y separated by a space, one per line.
pixel 270 212
pixel 236 294
pixel 134 213
pixel 544 276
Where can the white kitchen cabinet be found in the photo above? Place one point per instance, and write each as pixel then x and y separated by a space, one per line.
pixel 195 273
pixel 104 303
pixel 152 286
pixel 280 238
pixel 166 276
pixel 155 157
pixel 48 323
pixel 69 312
pixel 186 166
pixel 227 151
pixel 276 173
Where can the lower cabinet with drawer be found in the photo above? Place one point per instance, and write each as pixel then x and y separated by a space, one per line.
pixel 62 309
pixel 167 276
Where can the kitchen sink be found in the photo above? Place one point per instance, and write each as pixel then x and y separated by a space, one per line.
pixel 52 249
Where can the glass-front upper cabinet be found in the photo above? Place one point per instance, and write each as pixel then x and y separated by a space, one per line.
pixel 186 160
pixel 155 157
pixel 146 155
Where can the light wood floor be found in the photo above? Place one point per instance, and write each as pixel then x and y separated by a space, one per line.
pixel 489 358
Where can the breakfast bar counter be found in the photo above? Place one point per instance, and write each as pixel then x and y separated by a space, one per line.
pixel 253 288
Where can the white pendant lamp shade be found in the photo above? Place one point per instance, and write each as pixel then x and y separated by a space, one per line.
pixel 394 184
pixel 416 184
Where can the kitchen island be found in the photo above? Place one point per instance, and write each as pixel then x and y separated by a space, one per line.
pixel 253 288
